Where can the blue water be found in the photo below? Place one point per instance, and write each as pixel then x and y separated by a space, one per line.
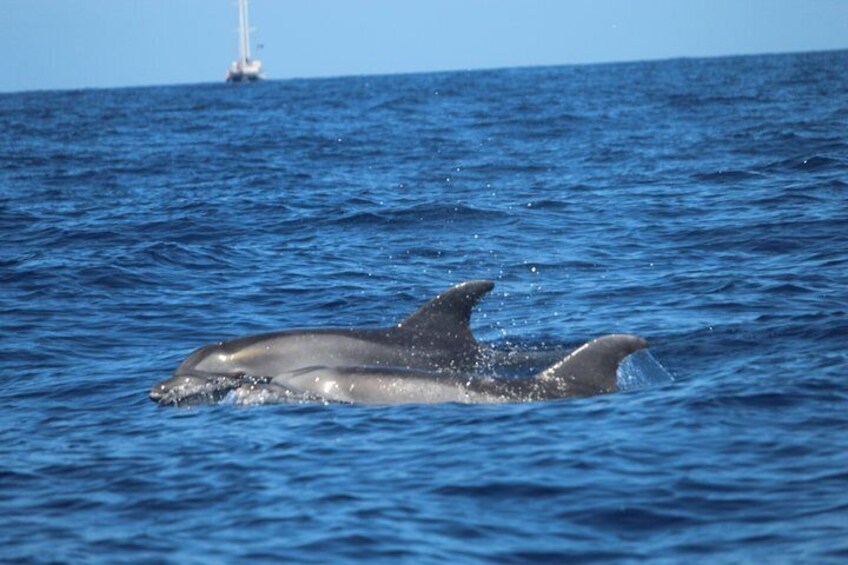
pixel 702 204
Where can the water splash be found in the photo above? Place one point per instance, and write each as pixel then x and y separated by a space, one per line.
pixel 640 371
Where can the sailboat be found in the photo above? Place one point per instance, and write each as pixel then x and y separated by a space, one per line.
pixel 245 69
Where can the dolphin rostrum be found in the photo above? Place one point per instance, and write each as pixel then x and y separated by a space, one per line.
pixel 429 357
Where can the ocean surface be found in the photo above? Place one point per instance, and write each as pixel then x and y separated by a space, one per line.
pixel 702 204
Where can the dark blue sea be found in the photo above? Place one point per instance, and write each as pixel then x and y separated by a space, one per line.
pixel 700 203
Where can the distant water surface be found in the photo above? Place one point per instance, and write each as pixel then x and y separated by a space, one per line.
pixel 700 203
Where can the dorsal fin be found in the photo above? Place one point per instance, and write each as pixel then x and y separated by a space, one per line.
pixel 447 317
pixel 591 369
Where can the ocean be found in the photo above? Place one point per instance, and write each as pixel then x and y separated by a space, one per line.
pixel 700 203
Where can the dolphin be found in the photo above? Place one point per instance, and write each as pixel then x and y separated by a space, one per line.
pixel 431 356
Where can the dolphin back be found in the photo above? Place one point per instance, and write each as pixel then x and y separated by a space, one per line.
pixel 446 319
pixel 591 369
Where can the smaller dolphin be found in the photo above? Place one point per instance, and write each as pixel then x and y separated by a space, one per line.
pixel 588 371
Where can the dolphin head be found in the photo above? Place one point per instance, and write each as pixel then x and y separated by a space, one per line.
pixel 208 373
pixel 215 359
pixel 188 389
pixel 177 388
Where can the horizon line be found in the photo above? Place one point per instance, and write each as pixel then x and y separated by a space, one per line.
pixel 434 72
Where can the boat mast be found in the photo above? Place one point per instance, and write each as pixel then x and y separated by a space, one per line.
pixel 244 32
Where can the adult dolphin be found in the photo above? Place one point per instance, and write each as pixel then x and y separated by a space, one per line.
pixel 433 344
pixel 436 337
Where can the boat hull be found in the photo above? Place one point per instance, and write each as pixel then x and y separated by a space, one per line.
pixel 243 77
